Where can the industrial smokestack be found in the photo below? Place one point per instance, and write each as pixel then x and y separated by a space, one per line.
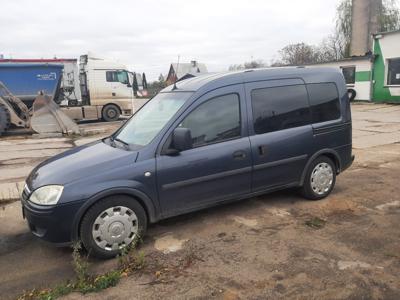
pixel 365 22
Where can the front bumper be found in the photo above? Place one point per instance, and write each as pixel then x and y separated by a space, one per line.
pixel 54 223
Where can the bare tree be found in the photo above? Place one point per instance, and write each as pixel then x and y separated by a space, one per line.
pixel 236 67
pixel 299 54
pixel 343 25
pixel 331 48
pixel 253 64
pixel 389 19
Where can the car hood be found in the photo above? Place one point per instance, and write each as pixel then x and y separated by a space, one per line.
pixel 80 162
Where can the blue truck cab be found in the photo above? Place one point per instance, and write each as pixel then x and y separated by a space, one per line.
pixel 198 143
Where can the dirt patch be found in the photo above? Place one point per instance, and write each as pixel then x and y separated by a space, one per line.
pixel 168 244
pixel 262 248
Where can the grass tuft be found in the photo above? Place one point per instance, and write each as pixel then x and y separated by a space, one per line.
pixel 129 261
pixel 315 222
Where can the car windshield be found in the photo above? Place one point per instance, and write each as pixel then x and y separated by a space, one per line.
pixel 150 119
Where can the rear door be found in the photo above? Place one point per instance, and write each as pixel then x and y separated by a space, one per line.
pixel 281 136
pixel 218 167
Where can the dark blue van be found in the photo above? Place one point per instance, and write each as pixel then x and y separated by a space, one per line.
pixel 202 142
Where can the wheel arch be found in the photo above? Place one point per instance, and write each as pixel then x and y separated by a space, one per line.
pixel 147 204
pixel 330 153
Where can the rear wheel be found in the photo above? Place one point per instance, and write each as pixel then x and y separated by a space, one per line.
pixel 320 178
pixel 4 118
pixel 110 113
pixel 111 225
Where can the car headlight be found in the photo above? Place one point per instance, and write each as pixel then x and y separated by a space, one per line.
pixel 47 195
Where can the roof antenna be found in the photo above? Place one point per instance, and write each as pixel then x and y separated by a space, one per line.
pixel 176 74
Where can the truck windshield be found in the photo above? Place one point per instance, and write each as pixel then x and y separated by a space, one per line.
pixel 151 118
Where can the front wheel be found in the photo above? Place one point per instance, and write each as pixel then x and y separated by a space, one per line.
pixel 320 178
pixel 110 113
pixel 111 225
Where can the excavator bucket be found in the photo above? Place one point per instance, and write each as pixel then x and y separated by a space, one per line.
pixel 48 118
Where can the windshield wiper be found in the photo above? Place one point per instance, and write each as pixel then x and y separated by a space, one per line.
pixel 113 140
pixel 121 141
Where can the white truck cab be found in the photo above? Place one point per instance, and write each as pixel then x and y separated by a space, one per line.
pixel 106 88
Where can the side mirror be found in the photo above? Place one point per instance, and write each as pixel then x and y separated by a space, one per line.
pixel 181 141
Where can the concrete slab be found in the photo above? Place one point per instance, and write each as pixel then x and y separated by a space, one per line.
pixel 359 133
pixel 37 146
pixel 363 142
pixel 86 140
pixel 384 127
pixel 42 153
pixel 12 172
pixel 11 191
pixel 24 141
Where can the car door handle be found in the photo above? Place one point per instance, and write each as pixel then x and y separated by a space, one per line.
pixel 262 150
pixel 240 154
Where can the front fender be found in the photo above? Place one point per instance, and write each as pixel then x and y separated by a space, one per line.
pixel 149 205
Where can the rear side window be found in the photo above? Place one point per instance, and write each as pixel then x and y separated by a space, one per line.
pixel 280 108
pixel 324 101
pixel 214 121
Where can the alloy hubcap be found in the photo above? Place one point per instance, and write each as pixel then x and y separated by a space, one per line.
pixel 321 178
pixel 115 228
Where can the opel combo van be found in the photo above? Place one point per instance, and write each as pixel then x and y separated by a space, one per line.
pixel 201 142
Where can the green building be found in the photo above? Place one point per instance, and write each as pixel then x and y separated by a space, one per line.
pixel 376 76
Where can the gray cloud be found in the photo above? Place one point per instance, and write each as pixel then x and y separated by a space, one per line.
pixel 148 35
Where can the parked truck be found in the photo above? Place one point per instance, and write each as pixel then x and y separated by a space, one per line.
pixel 94 89
pixel 107 91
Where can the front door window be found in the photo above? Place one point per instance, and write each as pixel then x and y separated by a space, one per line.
pixel 214 121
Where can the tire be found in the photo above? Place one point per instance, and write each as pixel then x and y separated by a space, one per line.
pixel 111 225
pixel 110 113
pixel 320 179
pixel 4 119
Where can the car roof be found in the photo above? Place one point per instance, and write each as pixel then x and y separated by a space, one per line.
pixel 211 81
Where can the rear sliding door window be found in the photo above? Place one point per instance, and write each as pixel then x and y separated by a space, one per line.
pixel 280 108
pixel 324 101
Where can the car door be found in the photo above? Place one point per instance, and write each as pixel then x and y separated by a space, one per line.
pixel 218 167
pixel 280 131
pixel 123 86
pixel 116 86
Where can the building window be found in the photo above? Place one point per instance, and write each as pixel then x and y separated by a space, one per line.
pixel 324 101
pixel 214 121
pixel 393 71
pixel 349 74
pixel 279 108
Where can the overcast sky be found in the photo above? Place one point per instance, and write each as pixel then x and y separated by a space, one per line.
pixel 149 35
